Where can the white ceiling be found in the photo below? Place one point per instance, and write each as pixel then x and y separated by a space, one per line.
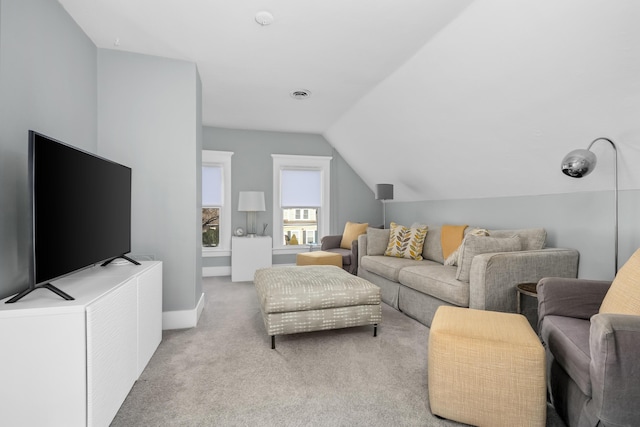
pixel 445 99
pixel 339 50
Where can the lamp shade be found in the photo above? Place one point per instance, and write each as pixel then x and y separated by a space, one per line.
pixel 384 191
pixel 251 201
pixel 579 163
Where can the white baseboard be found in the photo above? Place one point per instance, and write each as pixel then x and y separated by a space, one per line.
pixel 216 271
pixel 183 319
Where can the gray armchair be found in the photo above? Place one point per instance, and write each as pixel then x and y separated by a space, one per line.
pixel 349 256
pixel 593 358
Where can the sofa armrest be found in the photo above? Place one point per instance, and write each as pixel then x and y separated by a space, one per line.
pixel 578 298
pixel 355 257
pixel 330 242
pixel 362 248
pixel 614 344
pixel 494 276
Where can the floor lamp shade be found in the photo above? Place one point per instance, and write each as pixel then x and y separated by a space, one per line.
pixel 581 162
pixel 251 202
pixel 384 191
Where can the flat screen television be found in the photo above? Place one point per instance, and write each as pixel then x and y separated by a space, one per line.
pixel 80 211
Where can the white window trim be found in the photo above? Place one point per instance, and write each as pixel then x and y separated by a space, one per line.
pixel 286 161
pixel 222 159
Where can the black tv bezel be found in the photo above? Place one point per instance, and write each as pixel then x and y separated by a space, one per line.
pixel 32 261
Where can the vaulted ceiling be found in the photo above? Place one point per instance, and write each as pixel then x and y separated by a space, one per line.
pixel 445 99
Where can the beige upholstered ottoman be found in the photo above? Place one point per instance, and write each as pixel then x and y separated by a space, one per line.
pixel 314 298
pixel 319 258
pixel 486 368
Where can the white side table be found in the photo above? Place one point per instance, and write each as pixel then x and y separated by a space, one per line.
pixel 248 254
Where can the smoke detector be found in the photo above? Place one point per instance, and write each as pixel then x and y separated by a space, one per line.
pixel 264 18
pixel 300 94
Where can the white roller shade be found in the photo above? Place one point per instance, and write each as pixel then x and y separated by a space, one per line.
pixel 301 188
pixel 212 188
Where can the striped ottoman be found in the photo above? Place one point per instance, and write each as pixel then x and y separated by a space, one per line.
pixel 315 298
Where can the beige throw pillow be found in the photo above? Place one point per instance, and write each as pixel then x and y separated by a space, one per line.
pixel 453 258
pixel 377 241
pixel 475 245
pixel 406 242
pixel 623 297
pixel 351 232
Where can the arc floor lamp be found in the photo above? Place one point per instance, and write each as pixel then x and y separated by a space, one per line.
pixel 581 162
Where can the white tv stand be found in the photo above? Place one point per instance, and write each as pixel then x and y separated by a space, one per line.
pixel 73 363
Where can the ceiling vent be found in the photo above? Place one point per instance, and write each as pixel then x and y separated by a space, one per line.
pixel 300 94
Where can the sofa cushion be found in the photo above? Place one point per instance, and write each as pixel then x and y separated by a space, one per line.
pixel 531 239
pixel 623 297
pixel 432 249
pixel 453 258
pixel 475 245
pixel 345 253
pixel 568 341
pixel 406 242
pixel 437 280
pixel 385 266
pixel 351 232
pixel 377 241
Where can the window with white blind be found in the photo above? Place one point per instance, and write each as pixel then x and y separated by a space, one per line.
pixel 301 199
pixel 216 201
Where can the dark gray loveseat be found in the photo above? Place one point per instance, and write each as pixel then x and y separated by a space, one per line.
pixel 593 358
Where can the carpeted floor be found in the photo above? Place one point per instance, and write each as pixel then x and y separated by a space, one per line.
pixel 224 373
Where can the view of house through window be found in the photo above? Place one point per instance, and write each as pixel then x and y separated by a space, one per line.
pixel 301 223
pixel 210 227
pixel 301 190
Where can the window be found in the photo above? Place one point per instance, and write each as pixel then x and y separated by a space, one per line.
pixel 301 199
pixel 216 201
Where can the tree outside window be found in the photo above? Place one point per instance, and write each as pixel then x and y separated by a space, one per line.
pixel 216 201
pixel 210 227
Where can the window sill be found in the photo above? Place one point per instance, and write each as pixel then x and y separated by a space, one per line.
pixel 293 249
pixel 215 252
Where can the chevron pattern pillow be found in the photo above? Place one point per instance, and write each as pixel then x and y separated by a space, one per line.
pixel 406 242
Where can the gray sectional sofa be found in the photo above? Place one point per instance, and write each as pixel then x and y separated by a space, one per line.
pixel 483 280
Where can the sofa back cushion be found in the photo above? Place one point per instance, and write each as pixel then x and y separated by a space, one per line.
pixel 532 239
pixel 377 241
pixel 475 245
pixel 432 248
pixel 623 297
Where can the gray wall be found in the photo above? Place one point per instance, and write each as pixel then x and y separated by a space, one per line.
pixel 48 84
pixel 251 169
pixel 149 120
pixel 584 221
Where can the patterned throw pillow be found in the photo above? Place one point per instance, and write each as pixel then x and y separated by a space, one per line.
pixel 406 242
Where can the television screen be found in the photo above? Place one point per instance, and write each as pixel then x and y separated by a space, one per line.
pixel 81 207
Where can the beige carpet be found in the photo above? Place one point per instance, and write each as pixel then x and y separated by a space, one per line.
pixel 224 373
